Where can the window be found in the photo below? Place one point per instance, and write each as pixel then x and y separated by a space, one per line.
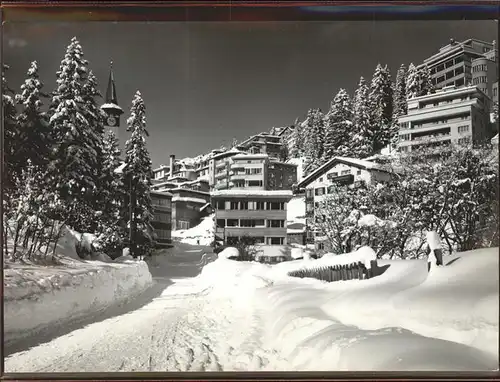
pixel 255 183
pixel 253 171
pixel 463 129
pixel 358 172
pixel 232 223
pixel 321 179
pixel 275 240
pixel 404 137
pixel 331 189
pixel 440 68
pixel 276 206
pixel 403 125
pixel 459 59
pixel 220 205
pixel 321 246
pixel 495 91
pixel 319 191
pixel 221 223
pixel 243 205
pixel 251 223
pixel 459 82
pixel 449 64
pixel 260 205
pixel 233 206
pixel 309 193
pixel 275 223
pixel 440 79
pixel 459 70
pixel 345 172
pixel 463 141
pixel 449 75
pixel 259 239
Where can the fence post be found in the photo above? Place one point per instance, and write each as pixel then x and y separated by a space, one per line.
pixel 373 266
pixel 336 273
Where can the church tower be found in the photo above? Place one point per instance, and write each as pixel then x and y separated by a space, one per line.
pixel 110 107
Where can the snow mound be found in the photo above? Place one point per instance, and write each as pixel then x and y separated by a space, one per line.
pixel 404 319
pixel 202 234
pixel 37 297
pixel 228 253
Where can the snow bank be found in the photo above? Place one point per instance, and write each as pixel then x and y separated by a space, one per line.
pixel 228 253
pixel 202 234
pixel 38 297
pixel 404 319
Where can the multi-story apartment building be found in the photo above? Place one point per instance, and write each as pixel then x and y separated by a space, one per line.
pixel 259 172
pixel 458 115
pixel 260 214
pixel 452 65
pixel 220 168
pixel 318 185
pixel 485 73
pixel 162 217
pixel 263 143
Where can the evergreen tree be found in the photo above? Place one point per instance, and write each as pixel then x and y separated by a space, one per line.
pixel 400 103
pixel 338 126
pixel 426 85
pixel 298 139
pixel 112 195
pixel 137 175
pixel 76 143
pixel 380 99
pixel 314 138
pixel 360 144
pixel 412 82
pixel 11 135
pixel 418 82
pixel 32 122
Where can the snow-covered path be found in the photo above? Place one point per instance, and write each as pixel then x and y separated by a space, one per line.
pixel 184 329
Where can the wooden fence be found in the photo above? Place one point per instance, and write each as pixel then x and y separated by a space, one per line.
pixel 354 271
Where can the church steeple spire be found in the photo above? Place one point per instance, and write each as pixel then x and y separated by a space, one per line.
pixel 111 90
pixel 113 111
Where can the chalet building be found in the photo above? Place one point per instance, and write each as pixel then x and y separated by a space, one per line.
pixel 260 214
pixel 162 217
pixel 451 115
pixel 338 170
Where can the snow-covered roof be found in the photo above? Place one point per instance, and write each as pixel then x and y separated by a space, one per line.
pixel 111 106
pixel 295 230
pixel 188 199
pixel 178 189
pixel 266 193
pixel 360 163
pixel 161 193
pixel 247 156
pixel 205 207
pixel 494 140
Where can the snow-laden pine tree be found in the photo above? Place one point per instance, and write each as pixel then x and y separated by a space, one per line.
pixel 338 126
pixel 380 100
pixel 137 175
pixel 400 103
pixel 111 230
pixel 11 134
pixel 76 143
pixel 399 100
pixel 360 143
pixel 314 138
pixel 32 122
pixel 412 82
pixel 426 85
pixel 298 139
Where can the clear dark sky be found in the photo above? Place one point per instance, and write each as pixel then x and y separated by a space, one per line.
pixel 205 83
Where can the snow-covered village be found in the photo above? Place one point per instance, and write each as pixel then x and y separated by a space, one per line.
pixel 159 215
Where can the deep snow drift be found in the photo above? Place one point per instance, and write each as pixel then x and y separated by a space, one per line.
pixel 202 234
pixel 37 297
pixel 247 316
pixel 405 319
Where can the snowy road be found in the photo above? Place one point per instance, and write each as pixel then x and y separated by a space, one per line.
pixel 182 329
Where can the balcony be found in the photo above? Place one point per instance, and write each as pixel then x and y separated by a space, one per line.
pixel 342 179
pixel 220 175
